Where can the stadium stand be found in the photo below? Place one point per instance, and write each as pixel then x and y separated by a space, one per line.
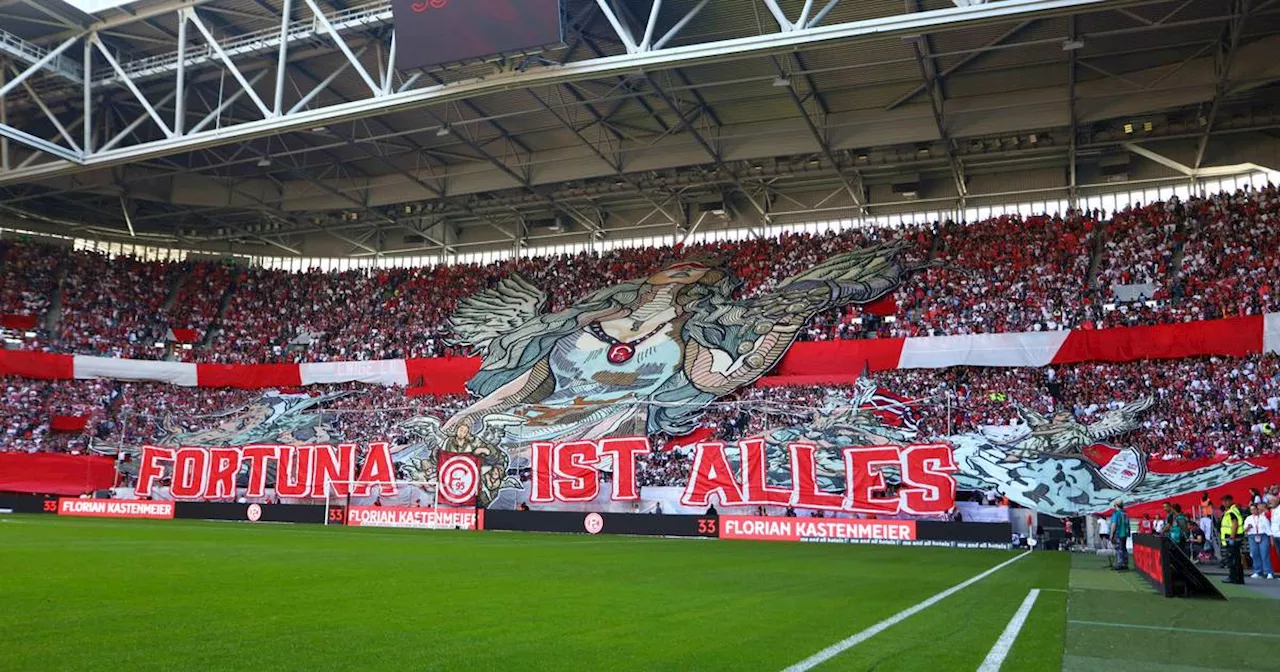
pixel 1003 274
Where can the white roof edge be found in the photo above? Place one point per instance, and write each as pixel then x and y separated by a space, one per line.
pixel 95 6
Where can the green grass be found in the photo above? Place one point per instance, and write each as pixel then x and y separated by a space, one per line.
pixel 82 594
pixel 1115 621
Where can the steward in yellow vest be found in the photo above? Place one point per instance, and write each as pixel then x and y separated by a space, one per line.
pixel 1232 535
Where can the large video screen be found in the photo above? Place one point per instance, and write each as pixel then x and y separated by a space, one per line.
pixel 432 32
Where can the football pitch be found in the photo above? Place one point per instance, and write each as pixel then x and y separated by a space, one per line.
pixel 81 594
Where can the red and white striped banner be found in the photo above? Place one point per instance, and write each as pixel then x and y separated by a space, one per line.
pixel 809 363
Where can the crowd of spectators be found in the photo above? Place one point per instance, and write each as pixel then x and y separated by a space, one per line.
pixel 30 408
pixel 113 306
pixel 1203 258
pixel 1203 407
pixel 28 277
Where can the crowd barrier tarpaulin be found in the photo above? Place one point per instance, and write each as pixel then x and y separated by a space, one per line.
pixel 593 522
pixel 55 473
pixel 115 508
pixel 807 363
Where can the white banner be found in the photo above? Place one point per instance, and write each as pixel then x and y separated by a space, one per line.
pixel 1032 348
pixel 175 373
pixel 385 372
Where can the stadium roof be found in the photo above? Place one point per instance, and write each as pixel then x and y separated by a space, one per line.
pixel 95 6
pixel 649 116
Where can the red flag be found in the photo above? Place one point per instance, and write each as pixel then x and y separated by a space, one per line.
pixel 68 423
pixel 689 440
pixel 892 409
pixel 16 321
pixel 883 306
pixel 459 478
pixel 184 335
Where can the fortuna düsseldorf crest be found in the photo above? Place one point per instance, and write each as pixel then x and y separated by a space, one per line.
pixel 459 478
pixel 1121 468
pixel 620 352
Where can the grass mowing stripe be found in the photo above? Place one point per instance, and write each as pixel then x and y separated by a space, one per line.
pixel 1163 628
pixel 853 640
pixel 995 657
pixel 167 595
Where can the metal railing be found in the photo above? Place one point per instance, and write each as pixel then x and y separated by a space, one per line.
pixel 260 41
pixel 29 53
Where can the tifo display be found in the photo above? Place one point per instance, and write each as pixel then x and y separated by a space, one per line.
pixel 558 410
pixel 572 403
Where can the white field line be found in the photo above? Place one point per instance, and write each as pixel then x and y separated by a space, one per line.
pixel 856 639
pixel 1161 628
pixel 997 654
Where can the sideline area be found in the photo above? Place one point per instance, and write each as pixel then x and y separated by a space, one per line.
pixel 1116 621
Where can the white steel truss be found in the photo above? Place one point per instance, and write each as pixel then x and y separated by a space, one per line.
pixel 280 110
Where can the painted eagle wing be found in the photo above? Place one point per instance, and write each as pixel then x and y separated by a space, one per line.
pixel 497 311
pixel 1030 416
pixel 859 276
pixel 1122 420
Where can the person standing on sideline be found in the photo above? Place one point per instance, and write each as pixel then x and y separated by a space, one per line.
pixel 1275 525
pixel 1205 509
pixel 1176 527
pixel 1258 529
pixel 1120 536
pixel 1232 536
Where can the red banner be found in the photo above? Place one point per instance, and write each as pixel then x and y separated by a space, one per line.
pixel 846 359
pixel 767 528
pixel 807 363
pixel 115 508
pixel 424 519
pixel 38 365
pixel 68 423
pixel 1234 337
pixel 440 375
pixel 13 321
pixel 300 471
pixel 184 335
pixel 1238 488
pixel 884 306
pixel 55 473
pixel 248 376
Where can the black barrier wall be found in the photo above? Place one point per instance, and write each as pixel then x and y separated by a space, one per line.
pixel 927 532
pixel 29 504
pixel 582 522
pixel 1169 570
pixel 999 534
pixel 256 513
